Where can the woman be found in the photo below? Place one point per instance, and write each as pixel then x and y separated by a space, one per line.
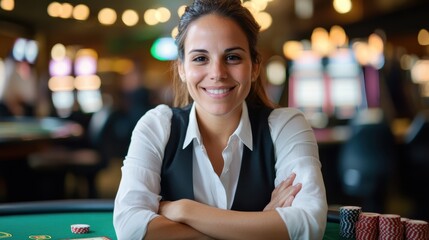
pixel 229 165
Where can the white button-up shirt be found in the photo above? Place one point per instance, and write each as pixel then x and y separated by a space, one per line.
pixel 296 151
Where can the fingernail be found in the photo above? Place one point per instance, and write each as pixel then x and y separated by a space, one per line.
pixel 290 176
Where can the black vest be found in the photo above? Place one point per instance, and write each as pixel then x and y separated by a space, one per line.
pixel 257 173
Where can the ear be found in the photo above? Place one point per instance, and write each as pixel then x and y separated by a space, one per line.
pixel 181 71
pixel 256 69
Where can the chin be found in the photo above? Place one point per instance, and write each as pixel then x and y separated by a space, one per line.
pixel 222 110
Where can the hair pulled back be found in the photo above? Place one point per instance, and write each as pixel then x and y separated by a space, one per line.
pixel 233 10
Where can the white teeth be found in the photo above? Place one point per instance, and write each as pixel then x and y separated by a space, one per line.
pixel 218 91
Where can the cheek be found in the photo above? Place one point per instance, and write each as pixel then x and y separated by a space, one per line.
pixel 245 78
pixel 192 87
pixel 193 77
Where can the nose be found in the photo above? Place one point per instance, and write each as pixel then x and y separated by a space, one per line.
pixel 218 71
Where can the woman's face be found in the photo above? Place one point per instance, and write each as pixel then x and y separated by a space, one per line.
pixel 217 66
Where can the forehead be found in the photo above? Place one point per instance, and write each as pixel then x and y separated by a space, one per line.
pixel 215 30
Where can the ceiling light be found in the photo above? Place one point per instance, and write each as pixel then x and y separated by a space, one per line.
pixel 54 9
pixel 293 49
pixel 150 17
pixel 423 37
pixel 163 14
pixel 174 32
pixel 66 10
pixel 260 5
pixel 342 6
pixel 7 5
pixel 107 16
pixel 264 19
pixel 276 71
pixel 81 12
pixel 130 17
pixel 181 10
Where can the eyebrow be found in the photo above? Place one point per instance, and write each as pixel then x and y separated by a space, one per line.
pixel 226 51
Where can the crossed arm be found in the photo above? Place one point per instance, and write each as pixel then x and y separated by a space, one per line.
pixel 187 219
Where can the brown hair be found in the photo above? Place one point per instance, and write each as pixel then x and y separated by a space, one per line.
pixel 231 9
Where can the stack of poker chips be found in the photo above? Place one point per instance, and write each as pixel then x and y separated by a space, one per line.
pixel 355 224
pixel 349 216
pixel 80 228
pixel 416 229
pixel 390 227
pixel 367 226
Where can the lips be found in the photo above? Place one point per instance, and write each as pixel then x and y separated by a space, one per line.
pixel 218 91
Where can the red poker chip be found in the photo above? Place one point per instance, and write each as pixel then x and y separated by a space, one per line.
pixel 416 229
pixel 367 226
pixel 80 228
pixel 390 227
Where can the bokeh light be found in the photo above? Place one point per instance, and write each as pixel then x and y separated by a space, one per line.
pixel 130 17
pixel 107 16
pixel 81 12
pixel 342 6
pixel 7 5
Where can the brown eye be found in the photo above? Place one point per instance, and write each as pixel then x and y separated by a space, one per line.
pixel 233 58
pixel 199 59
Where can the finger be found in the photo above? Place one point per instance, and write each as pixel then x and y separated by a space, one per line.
pixel 290 179
pixel 284 184
pixel 295 189
pixel 288 201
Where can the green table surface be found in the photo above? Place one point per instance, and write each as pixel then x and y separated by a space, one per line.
pixel 58 226
pixel 332 231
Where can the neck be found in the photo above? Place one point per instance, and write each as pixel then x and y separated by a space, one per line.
pixel 218 128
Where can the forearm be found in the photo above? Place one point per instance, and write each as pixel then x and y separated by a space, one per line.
pixel 162 228
pixel 227 224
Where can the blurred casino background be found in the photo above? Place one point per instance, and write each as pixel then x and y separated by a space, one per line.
pixel 75 76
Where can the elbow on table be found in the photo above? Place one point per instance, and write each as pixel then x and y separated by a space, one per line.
pixel 129 228
pixel 302 224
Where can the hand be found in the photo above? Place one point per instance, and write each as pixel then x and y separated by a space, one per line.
pixel 284 194
pixel 172 209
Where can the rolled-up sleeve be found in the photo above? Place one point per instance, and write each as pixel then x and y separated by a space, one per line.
pixel 297 152
pixel 137 199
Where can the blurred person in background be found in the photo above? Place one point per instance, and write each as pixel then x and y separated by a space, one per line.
pixel 19 91
pixel 135 99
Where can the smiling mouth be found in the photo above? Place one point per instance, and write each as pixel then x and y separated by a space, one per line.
pixel 218 91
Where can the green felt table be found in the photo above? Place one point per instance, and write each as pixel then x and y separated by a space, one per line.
pixel 20 223
pixel 56 225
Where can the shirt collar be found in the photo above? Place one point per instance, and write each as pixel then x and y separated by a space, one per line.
pixel 243 131
pixel 192 131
